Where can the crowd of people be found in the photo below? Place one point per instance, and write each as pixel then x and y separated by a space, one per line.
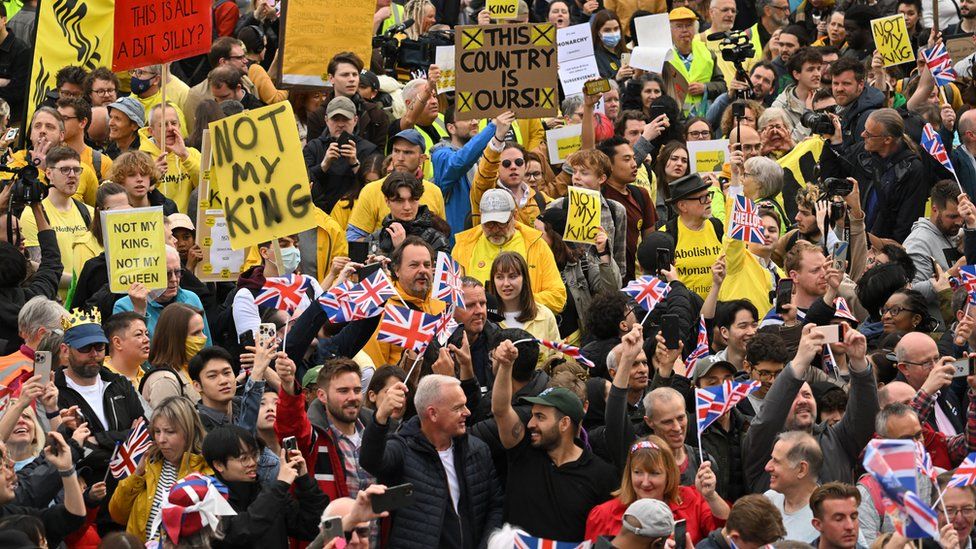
pixel 177 417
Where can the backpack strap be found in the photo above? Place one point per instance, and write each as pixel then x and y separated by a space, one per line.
pixel 155 369
pixel 540 201
pixel 97 163
pixel 83 210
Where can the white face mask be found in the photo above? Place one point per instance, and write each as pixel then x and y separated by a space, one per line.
pixel 291 257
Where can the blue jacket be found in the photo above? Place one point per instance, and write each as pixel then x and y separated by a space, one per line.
pixel 451 168
pixel 964 170
pixel 154 309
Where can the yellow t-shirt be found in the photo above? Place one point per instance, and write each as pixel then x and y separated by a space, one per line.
pixel 694 255
pixel 746 278
pixel 87 182
pixel 485 253
pixel 370 209
pixel 68 225
pixel 88 159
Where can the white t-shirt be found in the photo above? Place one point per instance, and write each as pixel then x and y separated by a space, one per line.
pixel 511 320
pixel 93 396
pixel 799 525
pixel 447 459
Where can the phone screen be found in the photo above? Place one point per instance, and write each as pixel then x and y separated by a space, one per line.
pixel 784 294
pixel 669 329
pixel 679 534
pixel 358 251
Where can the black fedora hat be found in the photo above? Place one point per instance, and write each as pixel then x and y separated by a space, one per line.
pixel 686 186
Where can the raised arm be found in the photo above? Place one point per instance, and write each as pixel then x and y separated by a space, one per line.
pixel 510 428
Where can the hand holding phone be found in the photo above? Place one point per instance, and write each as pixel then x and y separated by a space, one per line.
pixel 395 497
pixel 669 329
pixel 42 366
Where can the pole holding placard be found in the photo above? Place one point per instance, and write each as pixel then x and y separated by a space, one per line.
pixel 161 136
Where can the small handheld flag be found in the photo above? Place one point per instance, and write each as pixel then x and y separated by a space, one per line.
pixel 407 328
pixel 647 290
pixel 932 143
pixel 940 64
pixel 701 348
pixel 447 281
pixel 125 458
pixel 284 293
pixel 965 474
pixel 745 223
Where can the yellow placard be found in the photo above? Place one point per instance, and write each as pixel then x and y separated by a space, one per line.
pixel 892 40
pixel 502 9
pixel 257 163
pixel 568 145
pixel 135 248
pixel 313 31
pixel 583 215
pixel 709 161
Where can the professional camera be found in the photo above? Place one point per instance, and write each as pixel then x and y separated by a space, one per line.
pixel 407 54
pixel 737 48
pixel 819 123
pixel 835 186
pixel 27 188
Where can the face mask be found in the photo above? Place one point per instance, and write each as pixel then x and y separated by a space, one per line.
pixel 193 345
pixel 610 39
pixel 291 257
pixel 138 85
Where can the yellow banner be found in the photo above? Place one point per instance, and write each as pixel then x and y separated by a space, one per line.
pixel 892 40
pixel 135 248
pixel 799 167
pixel 258 164
pixel 69 32
pixel 312 31
pixel 502 9
pixel 583 216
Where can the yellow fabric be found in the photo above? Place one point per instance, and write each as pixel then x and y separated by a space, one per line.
pixel 68 225
pixel 343 210
pixel 132 500
pixel 483 248
pixel 370 209
pixel 85 247
pixel 625 9
pixel 746 278
pixel 543 326
pixel 267 92
pixel 644 180
pixel 441 127
pixel 386 353
pixel 486 177
pixel 330 242
pixel 176 95
pixel 88 159
pixel 140 373
pixel 702 67
pixel 397 16
pixel 727 68
pixel 547 284
pixel 182 176
pixel 694 255
pixel 87 182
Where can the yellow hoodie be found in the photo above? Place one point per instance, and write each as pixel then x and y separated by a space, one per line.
pixel 182 176
pixel 384 354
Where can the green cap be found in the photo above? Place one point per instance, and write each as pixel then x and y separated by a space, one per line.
pixel 561 399
pixel 311 376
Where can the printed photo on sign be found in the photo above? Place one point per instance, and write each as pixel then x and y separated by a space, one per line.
pixel 135 248
pixel 708 156
pixel 563 142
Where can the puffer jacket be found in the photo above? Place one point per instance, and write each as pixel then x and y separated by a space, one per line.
pixel 408 457
pixel 424 226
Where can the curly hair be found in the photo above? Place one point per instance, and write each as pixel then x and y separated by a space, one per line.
pixel 133 163
pixel 607 311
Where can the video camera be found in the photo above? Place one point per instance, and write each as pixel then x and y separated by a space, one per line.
pixel 408 54
pixel 819 123
pixel 27 187
pixel 737 48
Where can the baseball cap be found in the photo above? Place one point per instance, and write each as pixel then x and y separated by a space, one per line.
pixel 82 335
pixel 706 364
pixel 369 79
pixel 311 376
pixel 413 137
pixel 180 221
pixel 649 518
pixel 131 108
pixel 561 399
pixel 556 217
pixel 341 105
pixel 497 205
pixel 682 13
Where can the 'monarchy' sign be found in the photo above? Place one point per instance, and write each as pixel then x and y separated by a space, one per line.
pixel 506 68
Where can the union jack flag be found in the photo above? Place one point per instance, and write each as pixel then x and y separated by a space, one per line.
pixel 843 310
pixel 446 326
pixel 714 402
pixel 965 474
pixel 745 222
pixel 701 349
pixel 932 143
pixel 940 64
pixel 447 281
pixel 337 303
pixel 127 454
pixel 892 463
pixel 647 290
pixel 827 358
pixel 525 541
pixel 368 297
pixel 924 461
pixel 284 293
pixel 568 350
pixel 407 328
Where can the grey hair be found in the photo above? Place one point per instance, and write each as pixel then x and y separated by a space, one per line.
pixel 430 389
pixel 768 173
pixel 39 312
pixel 472 282
pixel 4 109
pixel 895 409
pixel 890 121
pixel 612 357
pixel 158 107
pixel 570 104
pixel 761 5
pixel 661 394
pixel 51 111
pixel 805 448
pixel 774 113
pixel 412 89
pixel 171 251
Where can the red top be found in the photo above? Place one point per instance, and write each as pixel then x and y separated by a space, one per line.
pixel 605 519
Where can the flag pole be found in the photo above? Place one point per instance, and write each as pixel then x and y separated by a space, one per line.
pixel 941 501
pixel 701 453
pixel 410 373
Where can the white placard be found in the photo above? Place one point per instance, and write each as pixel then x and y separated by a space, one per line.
pixel 708 156
pixel 574 42
pixel 222 256
pixel 654 44
pixel 573 74
pixel 444 59
pixel 563 142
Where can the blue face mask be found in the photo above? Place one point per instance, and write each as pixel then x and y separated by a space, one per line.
pixel 610 39
pixel 291 257
pixel 139 86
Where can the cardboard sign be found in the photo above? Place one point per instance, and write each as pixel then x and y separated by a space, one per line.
pixel 563 142
pixel 150 32
pixel 583 216
pixel 444 59
pixel 261 176
pixel 892 40
pixel 135 248
pixel 506 68
pixel 960 48
pixel 502 9
pixel 708 156
pixel 312 31
pixel 220 262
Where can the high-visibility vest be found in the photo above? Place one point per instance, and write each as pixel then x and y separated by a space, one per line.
pixel 429 143
pixel 396 17
pixel 702 66
pixel 515 128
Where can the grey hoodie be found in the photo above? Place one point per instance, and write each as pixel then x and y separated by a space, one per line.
pixel 926 241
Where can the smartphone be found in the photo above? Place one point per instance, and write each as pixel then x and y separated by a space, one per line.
pixel 594 87
pixel 396 497
pixel 656 111
pixel 266 331
pixel 669 329
pixel 55 447
pixel 680 529
pixel 332 528
pixel 358 251
pixel 840 250
pixel 833 333
pixel 42 365
pixel 965 367
pixel 932 264
pixel 784 294
pixel 80 417
pixel 344 138
pixel 663 258
pixel 11 134
pixel 246 339
pixel 290 444
pixel 625 58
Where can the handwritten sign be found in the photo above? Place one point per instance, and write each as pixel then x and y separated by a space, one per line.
pixel 892 40
pixel 583 215
pixel 260 171
pixel 502 9
pixel 562 142
pixel 960 48
pixel 150 32
pixel 220 262
pixel 312 31
pixel 708 156
pixel 506 68
pixel 135 248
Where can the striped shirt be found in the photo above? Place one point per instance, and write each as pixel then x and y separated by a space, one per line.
pixel 167 478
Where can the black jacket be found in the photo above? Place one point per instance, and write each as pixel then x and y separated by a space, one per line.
pixel 328 187
pixel 268 515
pixel 856 114
pixel 715 540
pixel 58 522
pixel 373 125
pixel 408 456
pixel 44 282
pixel 424 226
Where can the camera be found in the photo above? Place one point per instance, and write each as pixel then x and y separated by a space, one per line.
pixel 408 54
pixel 835 186
pixel 737 48
pixel 27 187
pixel 819 123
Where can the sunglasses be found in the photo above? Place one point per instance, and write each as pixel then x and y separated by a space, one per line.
pixel 362 532
pixel 508 163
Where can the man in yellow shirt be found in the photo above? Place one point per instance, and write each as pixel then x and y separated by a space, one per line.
pixel 179 164
pixel 69 217
pixel 697 235
pixel 77 114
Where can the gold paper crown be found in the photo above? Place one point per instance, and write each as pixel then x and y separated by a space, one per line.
pixel 81 316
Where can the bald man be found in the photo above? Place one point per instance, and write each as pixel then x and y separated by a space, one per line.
pixel 964 156
pixel 920 364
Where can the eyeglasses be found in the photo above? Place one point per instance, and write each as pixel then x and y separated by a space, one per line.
pixel 68 94
pixel 896 310
pixel 69 117
pixel 784 8
pixel 248 457
pixel 927 364
pixel 238 57
pixel 767 374
pixel 867 135
pixel 176 273
pixel 109 91
pixel 68 170
pixel 751 148
pixel 967 512
pixel 97 347
pixel 142 74
pixel 703 199
pixel 508 163
pixel 533 175
pixel 703 134
pixel 361 531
